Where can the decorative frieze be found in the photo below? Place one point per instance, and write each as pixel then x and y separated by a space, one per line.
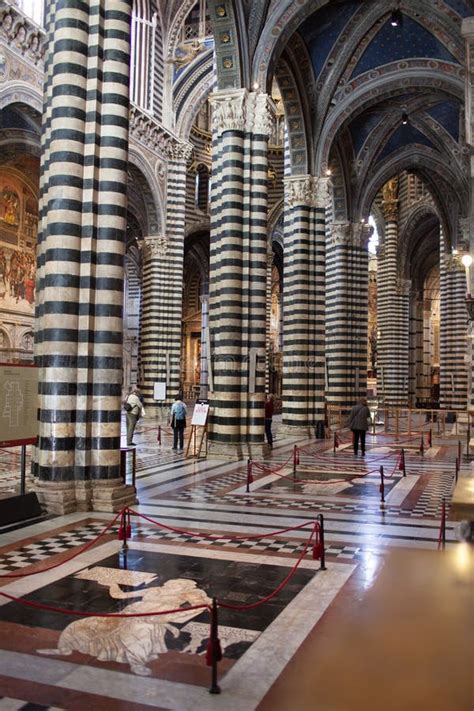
pixel 147 131
pixel 22 35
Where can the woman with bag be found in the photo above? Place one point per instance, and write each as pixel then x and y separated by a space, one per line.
pixel 178 421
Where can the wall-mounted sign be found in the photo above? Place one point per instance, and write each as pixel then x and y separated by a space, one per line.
pixel 159 391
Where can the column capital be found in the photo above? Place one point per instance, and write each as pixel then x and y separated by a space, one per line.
pixel 403 287
pixel 155 246
pixel 464 234
pixel 354 234
pixel 467 28
pixel 242 110
pixel 453 263
pixel 307 190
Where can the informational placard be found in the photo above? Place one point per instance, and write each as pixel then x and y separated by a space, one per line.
pixel 18 404
pixel 200 415
pixel 159 391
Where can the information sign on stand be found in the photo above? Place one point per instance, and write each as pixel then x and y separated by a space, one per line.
pixel 19 427
pixel 198 430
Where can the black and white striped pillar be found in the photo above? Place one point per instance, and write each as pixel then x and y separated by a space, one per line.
pixel 162 294
pixel 306 198
pixel 347 294
pixel 453 331
pixel 78 343
pixel 242 123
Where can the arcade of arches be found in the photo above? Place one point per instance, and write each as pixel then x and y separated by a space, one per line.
pixel 222 199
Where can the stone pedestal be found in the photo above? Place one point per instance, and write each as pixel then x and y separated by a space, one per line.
pixel 296 430
pixel 237 451
pixel 64 497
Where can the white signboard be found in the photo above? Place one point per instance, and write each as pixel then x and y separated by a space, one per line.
pixel 18 404
pixel 159 391
pixel 200 415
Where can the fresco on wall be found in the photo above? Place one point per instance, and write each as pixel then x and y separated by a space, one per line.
pixel 18 233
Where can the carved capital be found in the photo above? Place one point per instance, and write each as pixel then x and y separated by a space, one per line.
pixel 155 246
pixel 299 191
pixel 403 287
pixel 464 234
pixel 341 233
pixel 453 263
pixel 179 150
pixel 229 110
pixel 361 234
pixel 322 191
pixel 261 114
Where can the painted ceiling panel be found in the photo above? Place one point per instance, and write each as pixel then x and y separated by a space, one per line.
pixel 362 126
pixel 447 114
pixel 323 28
pixel 461 7
pixel 403 136
pixel 392 44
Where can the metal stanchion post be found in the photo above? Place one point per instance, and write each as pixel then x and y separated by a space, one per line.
pixel 158 437
pixel 23 469
pixel 443 523
pixel 215 648
pixel 295 454
pixel 249 475
pixel 382 486
pixel 402 462
pixel 459 451
pixel 456 475
pixel 321 539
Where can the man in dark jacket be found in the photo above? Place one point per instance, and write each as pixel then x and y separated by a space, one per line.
pixel 359 424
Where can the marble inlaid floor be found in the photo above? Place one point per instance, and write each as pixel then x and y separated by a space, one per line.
pixel 53 660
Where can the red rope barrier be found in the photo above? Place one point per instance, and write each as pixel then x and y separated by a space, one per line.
pixel 214 537
pixel 81 613
pixel 82 549
pixel 279 587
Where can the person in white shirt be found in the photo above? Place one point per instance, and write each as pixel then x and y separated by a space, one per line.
pixel 135 410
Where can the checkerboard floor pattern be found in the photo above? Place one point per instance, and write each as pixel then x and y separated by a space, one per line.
pixel 9 704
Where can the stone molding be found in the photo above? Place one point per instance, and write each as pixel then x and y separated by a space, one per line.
pixel 22 35
pixel 148 132
pixel 155 246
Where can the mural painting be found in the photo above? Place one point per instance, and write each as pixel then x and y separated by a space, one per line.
pixel 18 231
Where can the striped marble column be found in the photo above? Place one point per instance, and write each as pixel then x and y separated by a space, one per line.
pixel 453 330
pixel 162 294
pixel 242 123
pixel 78 342
pixel 306 198
pixel 347 295
pixel 415 354
pixel 392 311
pixel 269 362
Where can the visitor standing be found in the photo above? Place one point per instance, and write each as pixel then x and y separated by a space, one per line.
pixel 358 422
pixel 178 421
pixel 134 409
pixel 269 409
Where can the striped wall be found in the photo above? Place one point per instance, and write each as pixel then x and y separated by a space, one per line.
pixel 162 294
pixel 453 323
pixel 238 270
pixel 304 303
pixel 346 312
pixel 78 344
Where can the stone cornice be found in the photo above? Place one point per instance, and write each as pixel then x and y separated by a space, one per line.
pixel 148 132
pixel 21 34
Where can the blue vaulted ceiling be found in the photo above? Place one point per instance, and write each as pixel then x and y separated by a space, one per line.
pixel 446 114
pixel 362 126
pixel 321 30
pixel 462 7
pixel 392 44
pixel 403 136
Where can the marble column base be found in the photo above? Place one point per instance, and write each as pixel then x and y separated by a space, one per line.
pixel 236 451
pixel 63 497
pixel 112 495
pixel 57 497
pixel 296 430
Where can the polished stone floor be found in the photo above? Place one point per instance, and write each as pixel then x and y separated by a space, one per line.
pixel 205 536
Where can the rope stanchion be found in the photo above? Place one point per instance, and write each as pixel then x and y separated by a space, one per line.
pixel 401 465
pixel 319 550
pixel 430 438
pixel 442 527
pixel 459 451
pixel 422 446
pixel 296 460
pixel 158 435
pixel 249 476
pixel 214 651
pixel 382 486
pixel 336 442
pixel 456 470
